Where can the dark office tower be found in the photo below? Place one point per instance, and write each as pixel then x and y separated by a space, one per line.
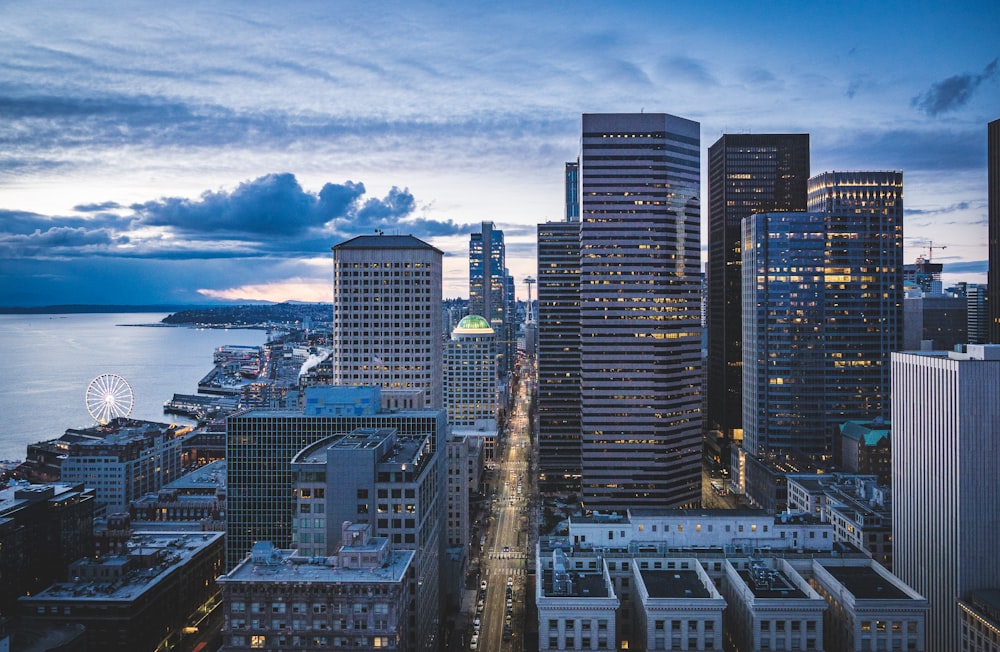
pixel 559 355
pixel 822 311
pixel 488 288
pixel 640 311
pixel 993 291
pixel 747 173
pixel 387 320
pixel 573 191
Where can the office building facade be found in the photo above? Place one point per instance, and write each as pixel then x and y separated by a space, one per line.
pixel 822 310
pixel 640 321
pixel 945 416
pixel 490 290
pixel 993 279
pixel 387 319
pixel 747 173
pixel 262 443
pixel 470 374
pixel 559 355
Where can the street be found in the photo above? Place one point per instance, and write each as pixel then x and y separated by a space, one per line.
pixel 505 557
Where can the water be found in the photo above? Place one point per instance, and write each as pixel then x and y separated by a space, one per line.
pixel 49 360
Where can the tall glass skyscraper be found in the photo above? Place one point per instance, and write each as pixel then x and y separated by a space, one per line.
pixel 822 311
pixel 640 321
pixel 747 173
pixel 490 289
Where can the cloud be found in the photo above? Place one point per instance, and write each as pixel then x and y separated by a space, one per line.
pixel 687 69
pixel 953 92
pixel 271 215
pixel 958 206
pixel 274 205
pixel 900 149
pixel 99 207
pixel 967 267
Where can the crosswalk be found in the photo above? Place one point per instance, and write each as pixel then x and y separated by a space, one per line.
pixel 508 555
pixel 504 572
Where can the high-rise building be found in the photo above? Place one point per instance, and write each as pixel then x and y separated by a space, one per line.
pixel 822 311
pixel 977 311
pixel 261 444
pixel 572 185
pixel 640 321
pixel 559 355
pixel 375 477
pixel 747 173
pixel 387 319
pixel 993 164
pixel 470 376
pixel 490 292
pixel 945 416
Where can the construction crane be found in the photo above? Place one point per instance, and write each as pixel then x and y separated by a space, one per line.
pixel 931 248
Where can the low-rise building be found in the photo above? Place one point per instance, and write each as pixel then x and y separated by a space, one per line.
pixel 138 601
pixel 869 608
pixel 43 528
pixel 576 603
pixel 864 447
pixel 679 606
pixel 857 506
pixel 358 599
pixel 980 613
pixel 771 607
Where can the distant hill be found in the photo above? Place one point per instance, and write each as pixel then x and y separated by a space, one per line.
pixel 252 314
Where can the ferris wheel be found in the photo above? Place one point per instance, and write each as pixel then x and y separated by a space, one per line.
pixel 109 396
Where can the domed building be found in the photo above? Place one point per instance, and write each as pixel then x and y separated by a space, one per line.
pixel 470 375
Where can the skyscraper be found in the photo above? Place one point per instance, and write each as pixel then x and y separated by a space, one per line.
pixel 470 374
pixel 559 355
pixel 387 320
pixel 640 322
pixel 747 173
pixel 822 311
pixel 945 417
pixel 489 291
pixel 993 289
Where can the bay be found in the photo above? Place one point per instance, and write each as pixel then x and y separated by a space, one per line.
pixel 49 360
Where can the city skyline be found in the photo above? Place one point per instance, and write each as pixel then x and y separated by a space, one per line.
pixel 188 154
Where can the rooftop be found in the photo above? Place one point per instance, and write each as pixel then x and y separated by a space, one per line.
pixel 288 567
pixel 385 242
pixel 579 585
pixel 772 583
pixel 152 557
pixel 203 479
pixel 674 584
pixel 866 584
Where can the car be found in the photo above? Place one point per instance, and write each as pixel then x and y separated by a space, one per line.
pixel 505 549
pixel 510 603
pixel 510 580
pixel 477 623
pixel 482 585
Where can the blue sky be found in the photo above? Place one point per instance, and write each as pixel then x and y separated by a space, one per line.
pixel 192 151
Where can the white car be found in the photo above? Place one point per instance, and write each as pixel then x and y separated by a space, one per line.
pixel 510 581
pixel 482 585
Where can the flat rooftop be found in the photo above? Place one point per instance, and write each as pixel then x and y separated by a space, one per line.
pixel 674 584
pixel 778 586
pixel 582 585
pixel 291 568
pixel 865 583
pixel 172 550
pixel 204 479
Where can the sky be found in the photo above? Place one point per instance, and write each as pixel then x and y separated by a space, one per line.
pixel 193 152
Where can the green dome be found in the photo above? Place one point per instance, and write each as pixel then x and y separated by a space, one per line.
pixel 473 323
